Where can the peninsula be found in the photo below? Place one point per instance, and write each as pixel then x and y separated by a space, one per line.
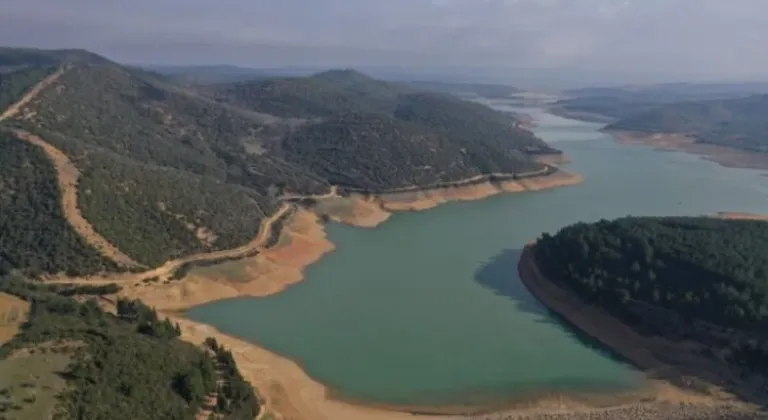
pixel 682 298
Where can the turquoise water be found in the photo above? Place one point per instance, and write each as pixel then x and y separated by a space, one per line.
pixel 428 308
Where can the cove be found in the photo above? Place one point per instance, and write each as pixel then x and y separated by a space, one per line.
pixel 428 309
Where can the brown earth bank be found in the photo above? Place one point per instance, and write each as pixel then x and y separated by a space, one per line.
pixel 742 216
pixel 553 159
pixel 684 375
pixel 427 199
pixel 725 156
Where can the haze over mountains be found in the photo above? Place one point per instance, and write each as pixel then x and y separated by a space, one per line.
pixel 731 115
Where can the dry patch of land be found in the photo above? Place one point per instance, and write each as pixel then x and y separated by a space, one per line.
pixel 303 242
pixel 30 382
pixel 354 210
pixel 13 313
pixel 742 216
pixel 427 199
pixel 726 156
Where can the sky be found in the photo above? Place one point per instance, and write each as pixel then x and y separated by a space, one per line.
pixel 672 39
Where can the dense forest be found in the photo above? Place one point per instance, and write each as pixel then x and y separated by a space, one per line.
pixel 130 365
pixel 169 170
pixel 13 84
pixel 325 94
pixel 738 123
pixel 712 273
pixel 358 151
pixel 36 237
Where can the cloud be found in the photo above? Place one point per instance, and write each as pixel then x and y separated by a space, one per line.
pixel 714 37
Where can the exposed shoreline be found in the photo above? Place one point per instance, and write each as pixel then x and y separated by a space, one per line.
pixel 742 216
pixel 641 351
pixel 725 156
pixel 286 387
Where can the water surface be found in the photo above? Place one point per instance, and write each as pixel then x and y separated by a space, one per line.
pixel 428 309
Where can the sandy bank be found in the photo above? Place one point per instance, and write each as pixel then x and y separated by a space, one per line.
pixel 741 216
pixel 427 199
pixel 554 159
pixel 726 156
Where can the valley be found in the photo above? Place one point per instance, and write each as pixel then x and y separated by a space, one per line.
pixel 315 224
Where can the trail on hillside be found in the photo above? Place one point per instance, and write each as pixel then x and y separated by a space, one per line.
pixel 14 109
pixel 166 270
pixel 68 176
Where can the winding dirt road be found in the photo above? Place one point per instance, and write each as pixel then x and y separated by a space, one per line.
pixel 68 176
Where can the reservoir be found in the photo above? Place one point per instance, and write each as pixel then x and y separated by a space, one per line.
pixel 428 308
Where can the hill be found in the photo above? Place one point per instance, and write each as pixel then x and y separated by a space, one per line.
pixel 485 90
pixel 613 103
pixel 738 123
pixel 321 95
pixel 701 279
pixel 73 359
pixel 36 236
pixel 161 171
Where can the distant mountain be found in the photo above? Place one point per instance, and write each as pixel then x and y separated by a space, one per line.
pixel 164 170
pixel 225 73
pixel 739 123
pixel 490 91
pixel 620 102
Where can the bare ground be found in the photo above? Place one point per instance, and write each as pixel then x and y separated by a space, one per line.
pixel 742 216
pixel 13 313
pixel 725 156
pixel 427 199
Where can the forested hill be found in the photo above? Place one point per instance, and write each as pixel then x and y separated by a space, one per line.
pixel 739 123
pixel 74 360
pixel 712 274
pixel 486 90
pixel 165 171
pixel 614 103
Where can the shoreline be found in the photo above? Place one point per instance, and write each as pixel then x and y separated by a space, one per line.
pixel 670 364
pixel 287 389
pixel 725 156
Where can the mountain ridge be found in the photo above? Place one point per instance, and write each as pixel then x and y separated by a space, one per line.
pixel 124 129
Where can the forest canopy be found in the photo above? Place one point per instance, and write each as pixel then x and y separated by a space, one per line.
pixel 705 268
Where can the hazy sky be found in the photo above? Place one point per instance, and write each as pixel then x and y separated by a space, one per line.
pixel 705 38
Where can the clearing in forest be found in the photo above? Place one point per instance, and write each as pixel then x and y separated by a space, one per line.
pixel 30 382
pixel 13 312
